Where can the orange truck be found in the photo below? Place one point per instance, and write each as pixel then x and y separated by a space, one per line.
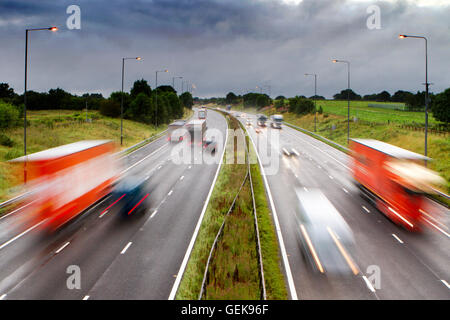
pixel 394 179
pixel 65 180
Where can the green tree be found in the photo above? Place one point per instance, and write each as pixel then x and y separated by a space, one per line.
pixel 231 98
pixel 141 109
pixel 140 86
pixel 441 106
pixel 110 108
pixel 186 100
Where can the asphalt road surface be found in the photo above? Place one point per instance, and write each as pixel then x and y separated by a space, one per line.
pixel 134 258
pixel 411 265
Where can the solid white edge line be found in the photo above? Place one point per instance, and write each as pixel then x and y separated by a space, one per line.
pixel 443 281
pixel 12 212
pixel 86 298
pixel 290 279
pixel 368 284
pixel 21 234
pixel 62 248
pixel 180 273
pixel 126 248
pixel 397 238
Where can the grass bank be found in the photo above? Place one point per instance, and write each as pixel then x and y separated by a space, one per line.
pixel 52 128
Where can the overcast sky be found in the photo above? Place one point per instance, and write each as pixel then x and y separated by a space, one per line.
pixel 227 45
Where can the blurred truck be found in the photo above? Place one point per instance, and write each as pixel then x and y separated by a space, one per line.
pixel 175 131
pixel 393 179
pixel 196 130
pixel 65 180
pixel 276 120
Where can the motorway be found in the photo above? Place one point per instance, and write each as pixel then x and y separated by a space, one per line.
pixel 134 258
pixel 412 266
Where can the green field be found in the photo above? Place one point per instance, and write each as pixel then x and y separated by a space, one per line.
pixel 51 128
pixel 362 111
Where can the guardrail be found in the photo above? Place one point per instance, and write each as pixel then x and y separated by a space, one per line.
pixel 319 137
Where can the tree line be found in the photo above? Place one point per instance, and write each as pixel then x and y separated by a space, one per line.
pixel 140 104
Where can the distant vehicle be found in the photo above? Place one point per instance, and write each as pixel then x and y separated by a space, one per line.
pixel 196 129
pixel 261 120
pixel 249 122
pixel 175 132
pixel 228 107
pixel 237 115
pixel 393 179
pixel 131 191
pixel 276 120
pixel 257 130
pixel 327 241
pixel 210 145
pixel 202 113
pixel 66 180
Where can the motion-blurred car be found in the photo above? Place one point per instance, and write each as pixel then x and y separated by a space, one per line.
pixel 133 195
pixel 327 240
pixel 290 152
pixel 249 122
pixel 210 145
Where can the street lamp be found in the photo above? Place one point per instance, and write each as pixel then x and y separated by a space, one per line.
pixel 403 36
pixel 121 96
pixel 25 87
pixel 348 96
pixel 173 81
pixel 315 96
pixel 156 96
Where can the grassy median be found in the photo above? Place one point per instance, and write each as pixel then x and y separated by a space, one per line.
pixel 233 272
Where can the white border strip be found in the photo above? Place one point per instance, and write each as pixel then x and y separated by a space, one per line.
pixel 290 279
pixel 197 228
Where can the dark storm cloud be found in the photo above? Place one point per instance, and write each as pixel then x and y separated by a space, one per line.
pixel 226 45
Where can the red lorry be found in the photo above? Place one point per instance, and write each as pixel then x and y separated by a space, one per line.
pixel 394 179
pixel 65 180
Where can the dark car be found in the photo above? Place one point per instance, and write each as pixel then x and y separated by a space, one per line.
pixel 133 195
pixel 210 145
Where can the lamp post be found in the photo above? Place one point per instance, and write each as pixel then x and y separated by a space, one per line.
pixel 173 81
pixel 315 97
pixel 25 86
pixel 156 96
pixel 348 96
pixel 121 96
pixel 403 36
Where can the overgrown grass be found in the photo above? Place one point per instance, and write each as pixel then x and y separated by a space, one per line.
pixel 51 128
pixel 227 185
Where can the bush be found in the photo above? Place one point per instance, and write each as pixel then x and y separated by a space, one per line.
pixel 441 106
pixel 6 141
pixel 9 116
pixel 110 108
pixel 320 110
